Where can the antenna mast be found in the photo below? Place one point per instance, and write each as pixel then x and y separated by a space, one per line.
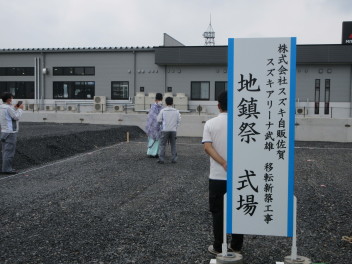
pixel 209 35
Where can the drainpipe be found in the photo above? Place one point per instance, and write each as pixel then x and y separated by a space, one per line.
pixel 36 80
pixel 165 78
pixel 42 81
pixel 134 73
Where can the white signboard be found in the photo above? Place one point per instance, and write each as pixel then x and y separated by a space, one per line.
pixel 261 112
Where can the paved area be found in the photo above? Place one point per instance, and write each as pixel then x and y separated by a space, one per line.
pixel 112 204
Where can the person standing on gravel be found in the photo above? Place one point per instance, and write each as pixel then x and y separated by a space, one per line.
pixel 9 121
pixel 153 128
pixel 169 118
pixel 215 145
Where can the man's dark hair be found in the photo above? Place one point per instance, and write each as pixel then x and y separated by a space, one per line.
pixel 222 99
pixel 159 97
pixel 169 101
pixel 6 96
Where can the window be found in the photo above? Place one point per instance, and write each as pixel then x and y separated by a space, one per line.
pixel 78 71
pixel 327 96
pixel 169 89
pixel 141 89
pixel 200 90
pixel 67 71
pixel 73 90
pixel 317 96
pixel 20 90
pixel 89 70
pixel 119 90
pixel 73 71
pixel 16 71
pixel 219 88
pixel 58 71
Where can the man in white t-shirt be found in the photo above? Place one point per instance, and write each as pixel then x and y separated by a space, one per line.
pixel 215 145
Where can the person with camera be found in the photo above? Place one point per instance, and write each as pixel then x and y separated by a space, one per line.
pixel 9 121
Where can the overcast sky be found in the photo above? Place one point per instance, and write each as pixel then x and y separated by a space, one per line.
pixel 132 23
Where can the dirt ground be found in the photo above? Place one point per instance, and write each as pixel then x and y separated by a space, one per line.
pixel 39 143
pixel 85 195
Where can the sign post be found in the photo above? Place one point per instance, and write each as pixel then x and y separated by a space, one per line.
pixel 261 112
pixel 294 259
pixel 261 123
pixel 260 140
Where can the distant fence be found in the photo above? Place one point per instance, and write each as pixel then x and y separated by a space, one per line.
pixel 77 107
pixel 98 108
pixel 330 112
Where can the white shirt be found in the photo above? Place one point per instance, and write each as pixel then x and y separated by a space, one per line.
pixel 9 117
pixel 169 118
pixel 215 132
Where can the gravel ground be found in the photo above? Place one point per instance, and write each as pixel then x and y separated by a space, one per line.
pixel 40 143
pixel 112 204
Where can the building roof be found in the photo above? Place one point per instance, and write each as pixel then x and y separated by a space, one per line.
pixel 170 41
pixel 217 55
pixel 210 55
pixel 195 55
pixel 84 49
pixel 335 53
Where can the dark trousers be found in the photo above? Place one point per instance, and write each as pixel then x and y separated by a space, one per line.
pixel 171 137
pixel 217 189
pixel 8 142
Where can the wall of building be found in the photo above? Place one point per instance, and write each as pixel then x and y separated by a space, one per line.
pixel 108 67
pixel 142 68
pixel 139 69
pixel 180 78
pixel 17 60
pixel 340 82
pixel 148 74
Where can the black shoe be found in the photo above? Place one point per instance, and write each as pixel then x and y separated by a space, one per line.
pixel 160 162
